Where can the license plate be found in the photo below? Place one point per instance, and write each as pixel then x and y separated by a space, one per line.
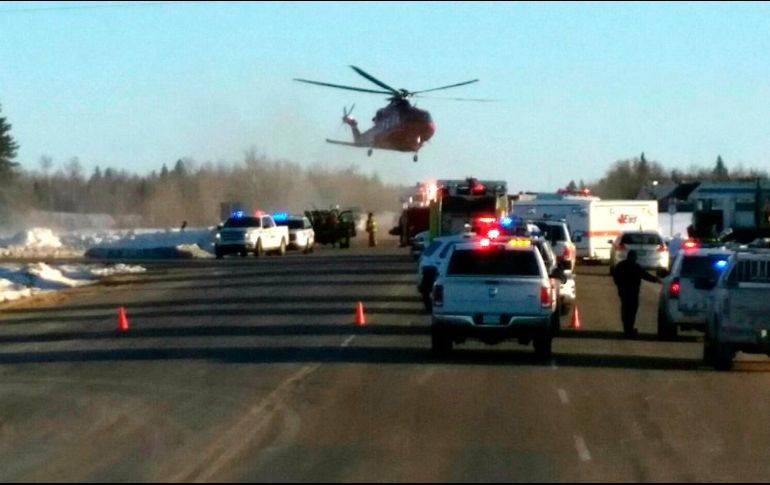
pixel 490 319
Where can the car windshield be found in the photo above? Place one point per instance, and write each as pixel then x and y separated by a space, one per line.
pixel 701 266
pixel 642 239
pixel 493 262
pixel 243 222
pixel 291 223
pixel 555 233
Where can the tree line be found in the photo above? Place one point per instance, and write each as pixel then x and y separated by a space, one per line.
pixel 188 191
pixel 624 179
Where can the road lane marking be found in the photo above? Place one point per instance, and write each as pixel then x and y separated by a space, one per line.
pixel 553 364
pixel 348 340
pixel 563 396
pixel 231 443
pixel 582 449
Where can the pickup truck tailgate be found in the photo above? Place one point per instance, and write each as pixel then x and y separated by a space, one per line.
pixel 492 296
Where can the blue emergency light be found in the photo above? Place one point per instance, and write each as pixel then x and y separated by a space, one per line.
pixel 721 265
pixel 280 216
pixel 506 221
pixel 237 214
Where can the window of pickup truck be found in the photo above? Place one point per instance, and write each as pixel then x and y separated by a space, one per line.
pixel 493 262
pixel 243 222
pixel 750 271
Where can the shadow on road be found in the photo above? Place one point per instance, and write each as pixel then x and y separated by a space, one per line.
pixel 362 355
pixel 230 300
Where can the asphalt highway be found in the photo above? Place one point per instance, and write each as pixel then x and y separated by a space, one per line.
pixel 252 370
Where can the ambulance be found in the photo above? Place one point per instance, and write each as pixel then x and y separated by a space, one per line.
pixel 594 223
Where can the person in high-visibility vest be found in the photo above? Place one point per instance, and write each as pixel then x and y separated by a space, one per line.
pixel 371 228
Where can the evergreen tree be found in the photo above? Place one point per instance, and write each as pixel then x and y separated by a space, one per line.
pixel 8 147
pixel 720 170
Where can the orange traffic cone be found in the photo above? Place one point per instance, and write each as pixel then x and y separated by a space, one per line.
pixel 122 320
pixel 360 319
pixel 575 323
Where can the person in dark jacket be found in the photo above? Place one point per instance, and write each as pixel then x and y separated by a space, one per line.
pixel 628 278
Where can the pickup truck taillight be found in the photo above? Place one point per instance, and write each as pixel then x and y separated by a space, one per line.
pixel 438 295
pixel 545 296
pixel 567 253
pixel 620 247
pixel 674 288
pixel 662 248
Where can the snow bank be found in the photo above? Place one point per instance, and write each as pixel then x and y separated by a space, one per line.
pixel 135 243
pixel 23 280
pixel 154 244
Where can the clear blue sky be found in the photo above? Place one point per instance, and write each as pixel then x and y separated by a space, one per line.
pixel 582 85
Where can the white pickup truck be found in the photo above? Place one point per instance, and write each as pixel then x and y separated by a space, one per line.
pixel 739 311
pixel 259 234
pixel 494 292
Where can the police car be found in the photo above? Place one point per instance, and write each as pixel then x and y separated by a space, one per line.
pixel 434 254
pixel 301 233
pixel 684 296
pixel 739 310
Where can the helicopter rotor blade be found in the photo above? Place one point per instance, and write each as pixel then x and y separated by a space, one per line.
pixel 375 80
pixel 339 86
pixel 477 100
pixel 447 87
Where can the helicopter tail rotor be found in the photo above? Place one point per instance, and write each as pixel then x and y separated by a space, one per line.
pixel 346 118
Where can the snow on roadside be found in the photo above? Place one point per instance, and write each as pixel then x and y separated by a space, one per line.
pixel 24 280
pixel 133 243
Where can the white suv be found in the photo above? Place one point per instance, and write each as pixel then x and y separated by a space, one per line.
pixel 684 295
pixel 301 233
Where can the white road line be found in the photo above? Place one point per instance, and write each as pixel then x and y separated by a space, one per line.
pixel 348 340
pixel 233 441
pixel 563 396
pixel 582 449
pixel 553 364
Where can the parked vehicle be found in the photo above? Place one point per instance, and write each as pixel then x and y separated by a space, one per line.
pixel 684 295
pixel 651 251
pixel 493 292
pixel 333 226
pixel 430 261
pixel 739 310
pixel 593 222
pixel 558 234
pixel 301 233
pixel 242 234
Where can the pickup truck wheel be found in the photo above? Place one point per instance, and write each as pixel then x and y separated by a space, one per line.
pixel 307 248
pixel 282 249
pixel 258 251
pixel 244 254
pixel 219 254
pixel 543 346
pixel 723 357
pixel 440 343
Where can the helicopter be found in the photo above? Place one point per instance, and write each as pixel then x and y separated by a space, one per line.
pixel 398 126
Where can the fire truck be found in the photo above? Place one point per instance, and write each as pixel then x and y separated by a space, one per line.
pixel 466 204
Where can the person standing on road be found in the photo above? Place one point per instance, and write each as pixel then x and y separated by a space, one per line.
pixel 628 278
pixel 371 228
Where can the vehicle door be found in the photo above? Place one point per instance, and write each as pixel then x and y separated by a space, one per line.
pixel 270 232
pixel 748 305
